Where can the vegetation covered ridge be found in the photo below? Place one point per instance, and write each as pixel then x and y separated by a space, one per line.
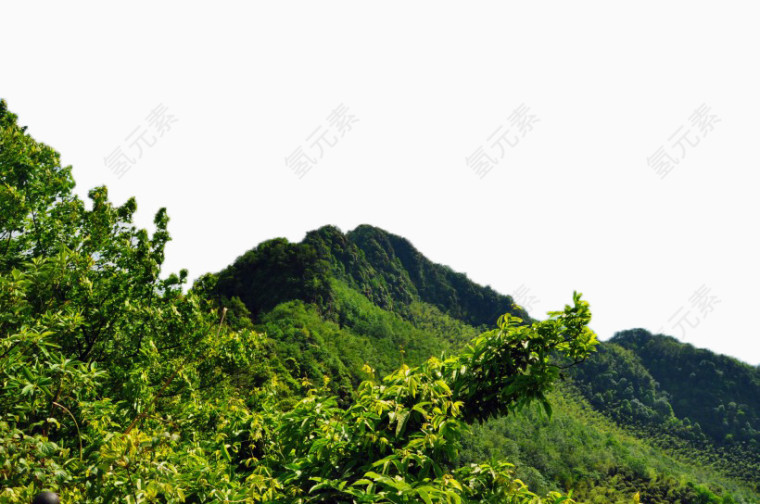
pixel 386 268
pixel 345 368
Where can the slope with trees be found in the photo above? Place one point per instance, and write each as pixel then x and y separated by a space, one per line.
pixel 263 383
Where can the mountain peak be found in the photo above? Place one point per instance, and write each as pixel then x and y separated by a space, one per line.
pixel 386 268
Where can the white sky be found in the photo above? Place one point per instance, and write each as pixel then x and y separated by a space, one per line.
pixel 572 206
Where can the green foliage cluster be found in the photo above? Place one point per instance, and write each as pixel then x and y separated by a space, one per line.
pixel 398 442
pixel 575 450
pixel 111 380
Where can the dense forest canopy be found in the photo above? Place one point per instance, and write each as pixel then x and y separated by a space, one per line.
pixel 345 368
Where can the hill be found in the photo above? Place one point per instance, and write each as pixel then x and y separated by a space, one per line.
pixel 719 393
pixel 390 305
pixel 345 368
pixel 384 267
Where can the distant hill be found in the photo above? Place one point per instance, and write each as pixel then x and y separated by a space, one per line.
pixel 692 402
pixel 721 393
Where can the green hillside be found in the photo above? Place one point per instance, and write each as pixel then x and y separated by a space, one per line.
pixel 613 389
pixel 719 393
pixel 344 368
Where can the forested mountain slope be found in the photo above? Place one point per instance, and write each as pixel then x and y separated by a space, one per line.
pixel 382 298
pixel 719 393
pixel 344 369
pixel 692 402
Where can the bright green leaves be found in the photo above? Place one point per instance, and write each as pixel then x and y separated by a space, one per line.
pixel 92 341
pixel 32 183
pixel 399 439
pixel 503 370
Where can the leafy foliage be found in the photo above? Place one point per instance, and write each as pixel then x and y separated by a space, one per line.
pixel 399 440
pixel 112 380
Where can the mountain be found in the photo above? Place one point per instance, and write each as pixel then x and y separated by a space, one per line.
pixel 687 400
pixel 384 267
pixel 719 393
pixel 336 301
pixel 346 368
